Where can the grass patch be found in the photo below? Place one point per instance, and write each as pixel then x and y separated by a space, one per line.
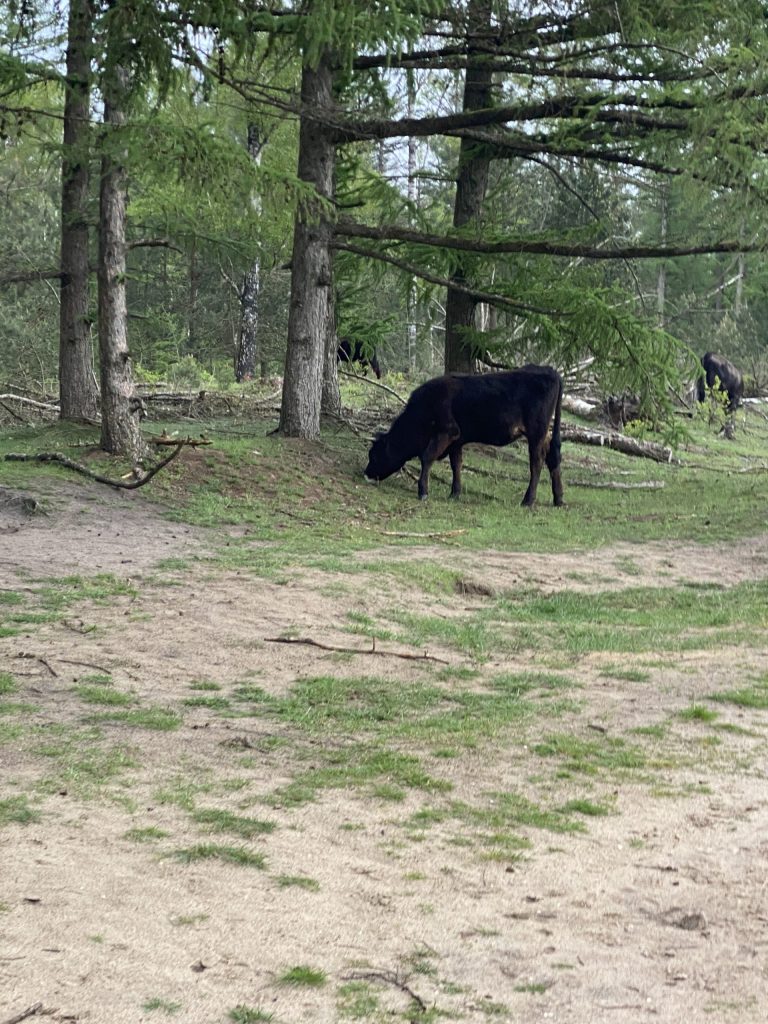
pixel 592 756
pixel 754 696
pixel 7 684
pixel 238 855
pixel 204 684
pixel 303 975
pixel 103 695
pixel 160 719
pixel 698 713
pixel 150 834
pixel 297 882
pixel 184 920
pixel 15 810
pixel 224 821
pixel 248 1015
pixel 165 1005
pixel 211 703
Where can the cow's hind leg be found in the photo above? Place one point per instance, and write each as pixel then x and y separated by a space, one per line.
pixel 455 454
pixel 553 465
pixel 536 460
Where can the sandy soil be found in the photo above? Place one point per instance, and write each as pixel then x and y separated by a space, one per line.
pixel 658 911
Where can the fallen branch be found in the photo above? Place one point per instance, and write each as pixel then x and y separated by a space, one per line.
pixel 391 978
pixel 30 401
pixel 30 1011
pixel 587 410
pixel 309 642
pixel 619 442
pixel 37 657
pixel 421 536
pixel 613 485
pixel 374 383
pixel 128 485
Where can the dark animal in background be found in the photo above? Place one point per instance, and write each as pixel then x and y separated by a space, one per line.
pixel 352 351
pixel 620 409
pixel 731 381
pixel 496 408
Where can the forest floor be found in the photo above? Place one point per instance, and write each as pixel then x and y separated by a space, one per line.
pixel 202 824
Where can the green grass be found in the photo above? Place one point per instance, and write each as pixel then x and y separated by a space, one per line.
pixel 238 855
pixel 248 1015
pixel 754 696
pixel 7 684
pixel 167 1007
pixel 150 834
pixel 698 713
pixel 298 882
pixel 304 975
pixel 592 756
pixel 103 695
pixel 224 821
pixel 211 703
pixel 159 719
pixel 15 810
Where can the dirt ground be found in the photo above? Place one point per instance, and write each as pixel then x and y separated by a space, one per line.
pixel 658 911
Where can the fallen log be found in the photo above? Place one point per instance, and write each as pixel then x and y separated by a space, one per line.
pixel 618 442
pixel 577 406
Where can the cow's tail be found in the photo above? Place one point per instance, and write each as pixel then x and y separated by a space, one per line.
pixel 553 454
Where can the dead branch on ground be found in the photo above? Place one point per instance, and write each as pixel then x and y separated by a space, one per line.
pixel 619 442
pixel 614 485
pixel 391 978
pixel 48 406
pixel 374 384
pixel 309 642
pixel 129 485
pixel 31 1011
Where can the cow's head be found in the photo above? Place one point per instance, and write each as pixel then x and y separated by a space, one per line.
pixel 382 461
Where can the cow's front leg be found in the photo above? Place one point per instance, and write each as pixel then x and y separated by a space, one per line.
pixel 455 455
pixel 436 448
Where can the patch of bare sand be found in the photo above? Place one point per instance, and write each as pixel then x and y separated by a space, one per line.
pixel 658 910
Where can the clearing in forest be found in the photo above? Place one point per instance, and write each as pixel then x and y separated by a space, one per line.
pixel 516 772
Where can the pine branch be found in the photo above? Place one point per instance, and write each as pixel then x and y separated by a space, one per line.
pixel 392 232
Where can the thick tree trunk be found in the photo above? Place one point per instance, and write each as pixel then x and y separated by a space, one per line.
pixel 310 316
pixel 119 407
pixel 78 396
pixel 471 184
pixel 247 346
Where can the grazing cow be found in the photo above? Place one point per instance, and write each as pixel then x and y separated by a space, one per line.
pixel 448 412
pixel 352 351
pixel 731 381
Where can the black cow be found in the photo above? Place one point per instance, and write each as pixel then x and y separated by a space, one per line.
pixel 352 351
pixel 731 381
pixel 448 412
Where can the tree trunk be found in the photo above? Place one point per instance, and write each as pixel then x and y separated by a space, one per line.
pixel 78 396
pixel 661 281
pixel 738 298
pixel 120 432
pixel 471 184
pixel 411 301
pixel 311 311
pixel 247 347
pixel 194 290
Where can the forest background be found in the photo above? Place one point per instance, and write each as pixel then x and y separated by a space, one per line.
pixel 208 192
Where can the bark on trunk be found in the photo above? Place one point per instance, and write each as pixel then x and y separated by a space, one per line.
pixel 247 346
pixel 471 184
pixel 310 316
pixel 78 395
pixel 120 408
pixel 661 281
pixel 411 301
